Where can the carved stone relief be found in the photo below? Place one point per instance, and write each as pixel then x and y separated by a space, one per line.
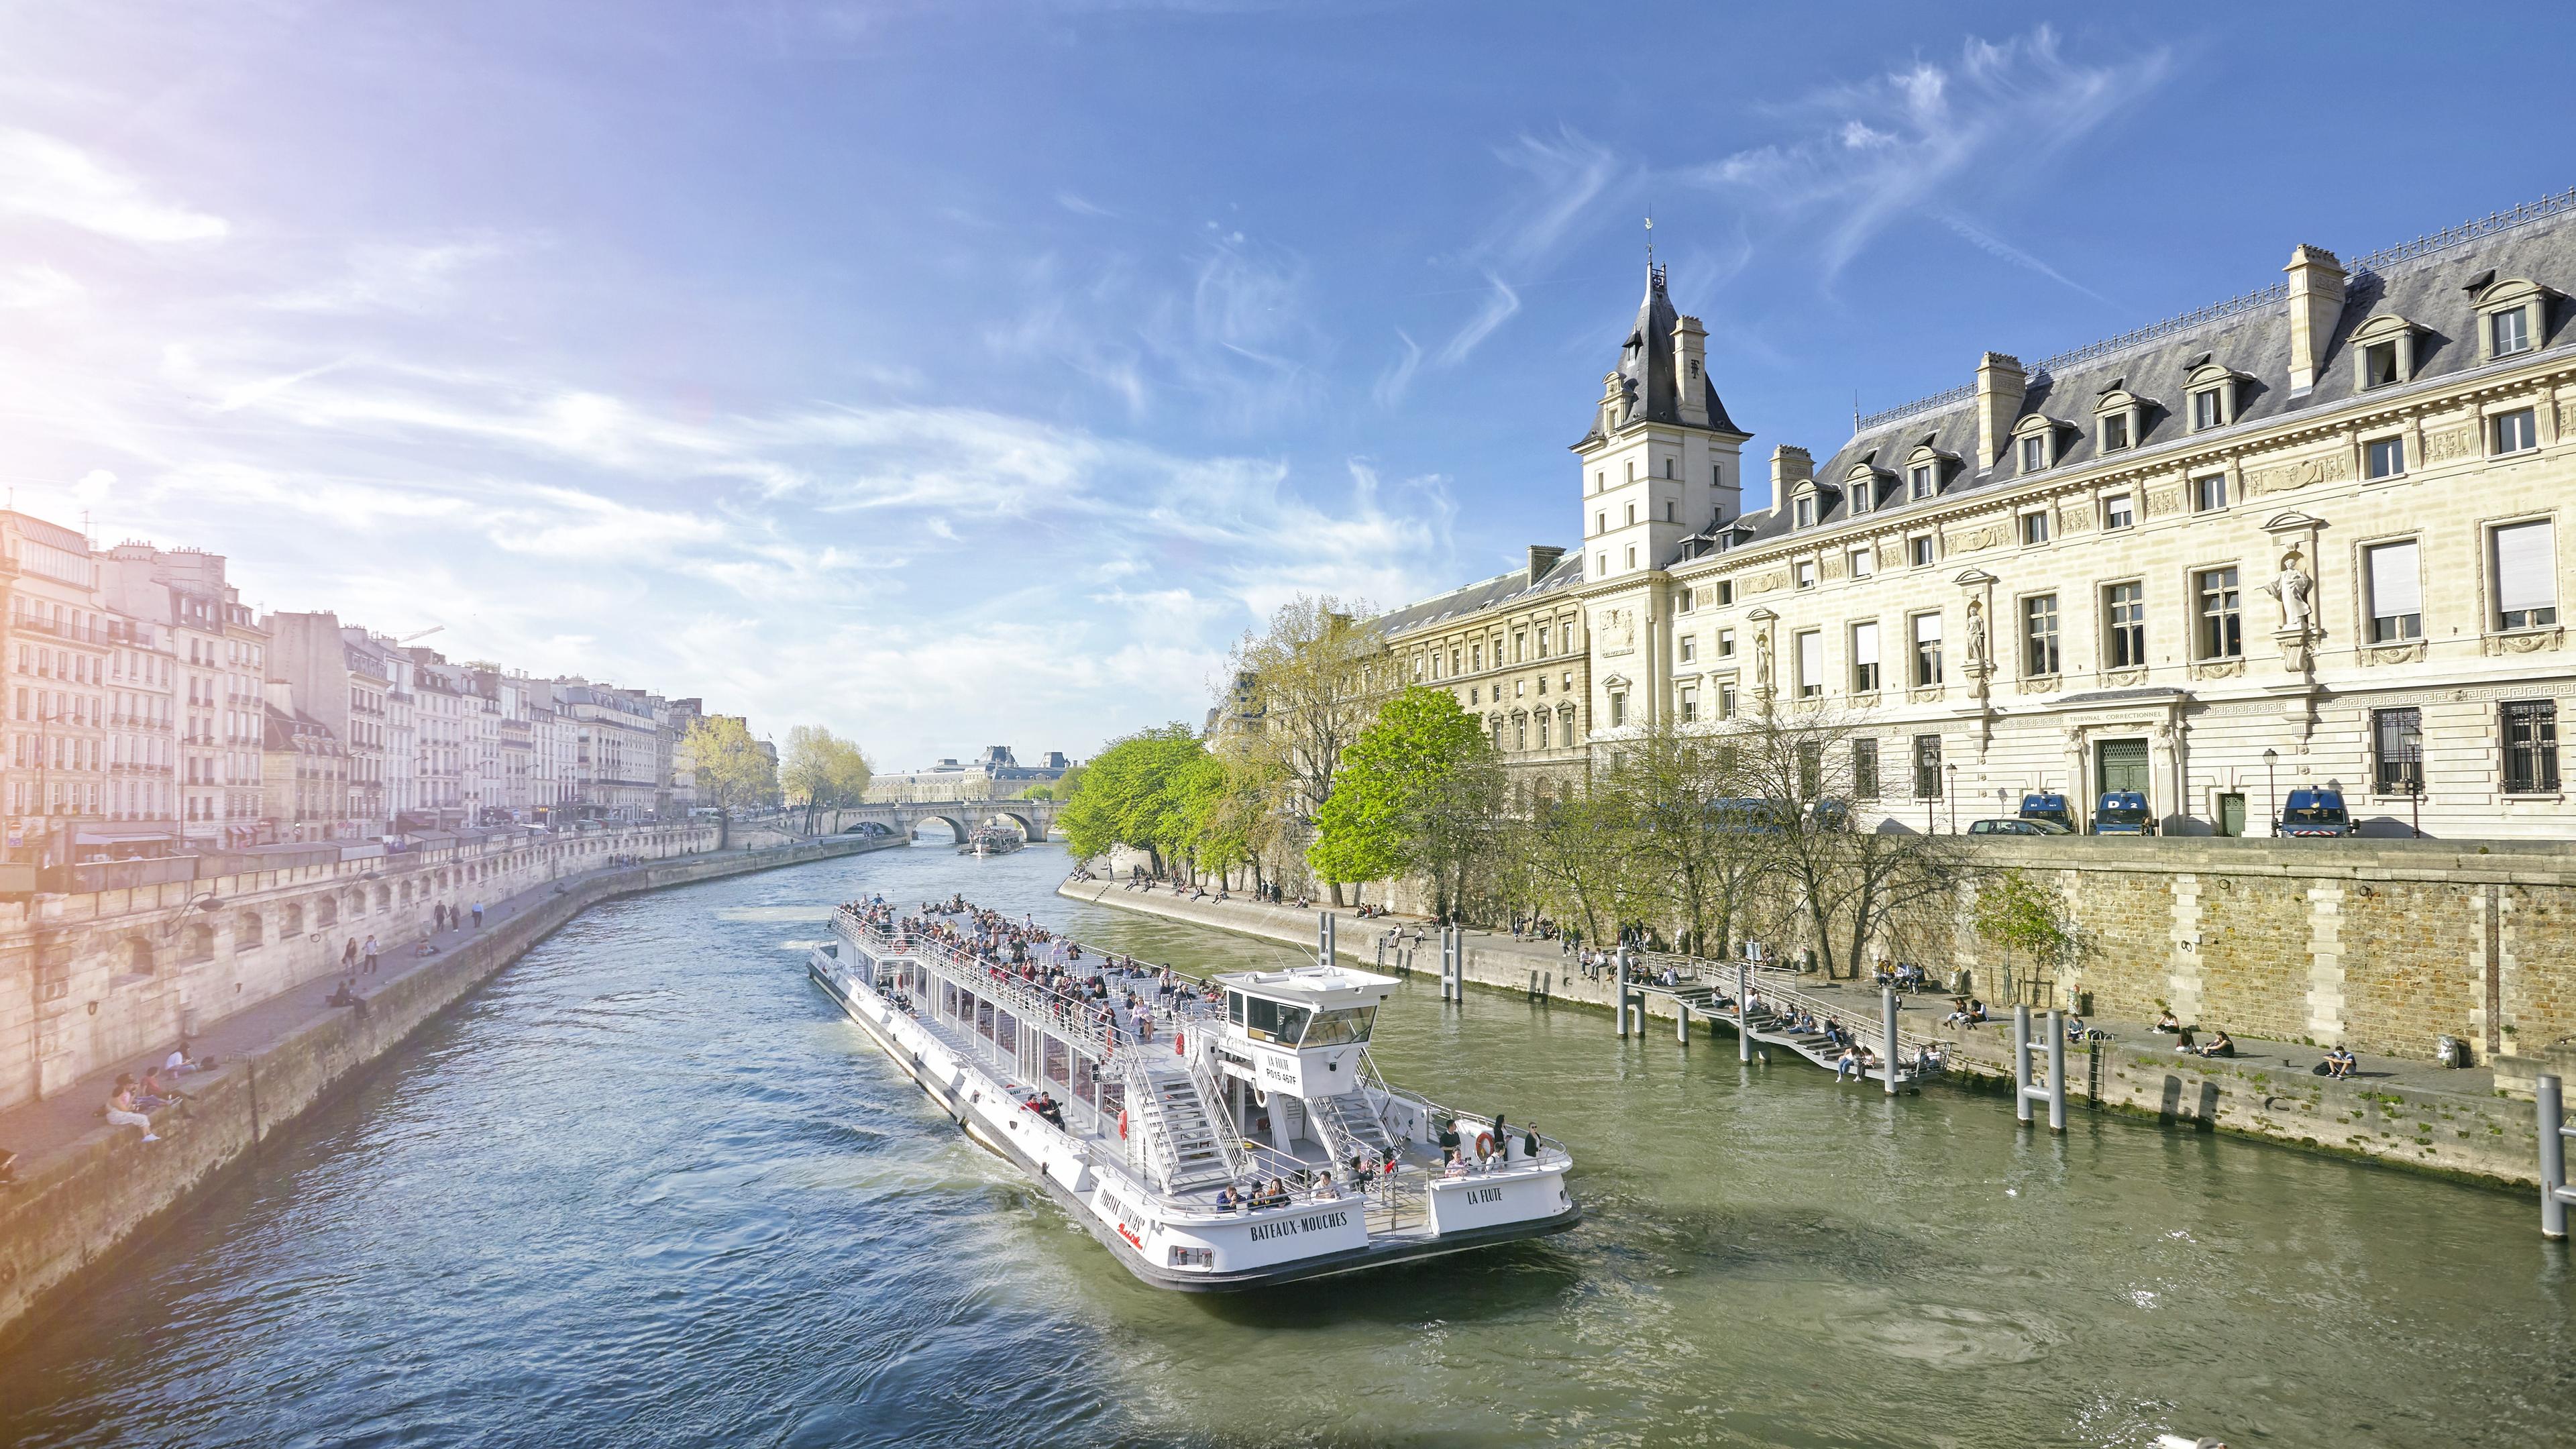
pixel 2530 642
pixel 2406 653
pixel 1969 540
pixel 2283 477
pixel 1930 694
pixel 2452 443
pixel 2124 678
pixel 2218 669
pixel 2163 501
pixel 1830 566
pixel 2042 684
pixel 1766 583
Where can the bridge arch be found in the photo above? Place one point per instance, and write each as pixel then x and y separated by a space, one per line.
pixel 1027 821
pixel 955 822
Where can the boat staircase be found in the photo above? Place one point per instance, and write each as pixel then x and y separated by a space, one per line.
pixel 1353 1127
pixel 1188 1152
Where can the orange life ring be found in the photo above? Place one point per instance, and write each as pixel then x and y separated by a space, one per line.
pixel 1179 1041
pixel 1484 1143
pixel 1122 1123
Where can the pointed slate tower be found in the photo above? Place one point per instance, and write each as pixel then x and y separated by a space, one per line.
pixel 1662 460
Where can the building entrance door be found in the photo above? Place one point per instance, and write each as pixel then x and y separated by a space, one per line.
pixel 2231 815
pixel 2120 765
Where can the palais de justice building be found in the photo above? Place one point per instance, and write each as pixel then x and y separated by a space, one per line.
pixel 2305 537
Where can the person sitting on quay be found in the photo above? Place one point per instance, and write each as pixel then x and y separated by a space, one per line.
pixel 179 1062
pixel 1847 1066
pixel 2339 1064
pixel 2074 1030
pixel 152 1094
pixel 2220 1045
pixel 2166 1023
pixel 121 1111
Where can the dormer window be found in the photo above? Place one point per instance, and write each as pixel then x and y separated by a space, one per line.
pixel 1860 486
pixel 1925 467
pixel 2036 439
pixel 1919 482
pixel 2513 314
pixel 2119 416
pixel 2383 347
pixel 1860 498
pixel 2213 395
pixel 1803 511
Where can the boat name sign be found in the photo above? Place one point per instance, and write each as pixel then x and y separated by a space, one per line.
pixel 1315 1223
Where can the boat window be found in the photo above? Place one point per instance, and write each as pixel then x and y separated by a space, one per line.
pixel 1234 1007
pixel 1334 1028
pixel 1265 1020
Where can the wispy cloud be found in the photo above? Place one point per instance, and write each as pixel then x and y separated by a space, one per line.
pixel 1563 177
pixel 393 277
pixel 1397 379
pixel 53 180
pixel 1929 137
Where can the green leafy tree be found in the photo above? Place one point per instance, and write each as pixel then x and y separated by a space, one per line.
pixel 1131 794
pixel 732 772
pixel 821 771
pixel 2023 918
pixel 1417 789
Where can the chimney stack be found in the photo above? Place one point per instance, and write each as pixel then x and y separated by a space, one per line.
pixel 1541 559
pixel 2316 304
pixel 2000 386
pixel 1789 465
pixel 1690 357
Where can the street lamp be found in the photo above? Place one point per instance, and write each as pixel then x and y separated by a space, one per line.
pixel 2415 787
pixel 1950 794
pixel 2272 788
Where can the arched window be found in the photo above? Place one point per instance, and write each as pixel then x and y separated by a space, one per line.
pixel 247 931
pixel 326 912
pixel 384 899
pixel 138 956
pixel 196 943
pixel 292 922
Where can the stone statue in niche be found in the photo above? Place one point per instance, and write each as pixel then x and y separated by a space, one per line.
pixel 2292 586
pixel 1976 631
pixel 1762 660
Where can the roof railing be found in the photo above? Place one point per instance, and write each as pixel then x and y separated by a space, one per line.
pixel 2467 231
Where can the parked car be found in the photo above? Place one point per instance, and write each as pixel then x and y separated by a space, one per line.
pixel 2009 826
pixel 2050 806
pixel 2312 813
pixel 2123 812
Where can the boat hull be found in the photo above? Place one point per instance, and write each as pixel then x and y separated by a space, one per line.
pixel 1083 1199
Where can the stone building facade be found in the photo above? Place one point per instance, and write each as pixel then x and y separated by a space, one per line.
pixel 2308 537
pixel 1515 650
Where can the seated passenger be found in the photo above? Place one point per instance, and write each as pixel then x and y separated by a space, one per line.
pixel 1225 1199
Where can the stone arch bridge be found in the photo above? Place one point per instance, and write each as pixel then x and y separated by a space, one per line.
pixel 1035 818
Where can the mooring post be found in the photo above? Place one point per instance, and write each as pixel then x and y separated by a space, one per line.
pixel 2021 1065
pixel 1887 1034
pixel 1619 998
pixel 1743 1011
pixel 2057 1071
pixel 1324 939
pixel 1681 1021
pixel 2553 1160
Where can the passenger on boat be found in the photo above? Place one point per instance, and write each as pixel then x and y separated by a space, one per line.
pixel 1529 1142
pixel 1457 1167
pixel 1324 1189
pixel 1225 1199
pixel 1448 1141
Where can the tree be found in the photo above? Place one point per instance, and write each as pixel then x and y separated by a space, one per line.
pixel 2020 915
pixel 1854 888
pixel 1677 791
pixel 1418 789
pixel 821 771
pixel 1574 851
pixel 1303 691
pixel 732 771
pixel 1130 795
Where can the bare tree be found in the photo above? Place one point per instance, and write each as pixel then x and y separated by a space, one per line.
pixel 1853 887
pixel 1574 853
pixel 1695 853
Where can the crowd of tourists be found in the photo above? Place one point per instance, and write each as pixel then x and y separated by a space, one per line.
pixel 1128 1000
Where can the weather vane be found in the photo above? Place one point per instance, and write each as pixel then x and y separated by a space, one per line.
pixel 1650 236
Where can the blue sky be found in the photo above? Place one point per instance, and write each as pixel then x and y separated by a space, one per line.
pixel 962 373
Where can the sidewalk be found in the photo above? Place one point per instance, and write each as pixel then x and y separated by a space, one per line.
pixel 36 1130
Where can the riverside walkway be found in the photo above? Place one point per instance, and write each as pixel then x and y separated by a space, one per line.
pixel 2397 1110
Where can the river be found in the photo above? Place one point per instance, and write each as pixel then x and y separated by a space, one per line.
pixel 649 1188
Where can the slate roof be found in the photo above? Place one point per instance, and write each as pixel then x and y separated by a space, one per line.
pixel 1478 597
pixel 2427 282
pixel 1646 366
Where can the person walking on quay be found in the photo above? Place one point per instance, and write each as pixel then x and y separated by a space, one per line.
pixel 369 952
pixel 478 915
pixel 349 956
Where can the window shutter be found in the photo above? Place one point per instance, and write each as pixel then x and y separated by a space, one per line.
pixel 2395 586
pixel 1864 644
pixel 2526 562
pixel 1811 658
pixel 1927 628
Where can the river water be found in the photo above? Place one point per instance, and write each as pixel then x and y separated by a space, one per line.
pixel 648 1187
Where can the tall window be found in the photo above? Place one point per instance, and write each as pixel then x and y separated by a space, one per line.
pixel 1618 709
pixel 1811 663
pixel 2384 457
pixel 1689 648
pixel 2125 606
pixel 2115 432
pixel 2039 635
pixel 2208 409
pixel 2222 615
pixel 1919 483
pixel 2034 528
pixel 2525 561
pixel 1864 769
pixel 2510 332
pixel 2034 453
pixel 1918 550
pixel 2379 364
pixel 1805 572
pixel 1806 509
pixel 1864 649
pixel 2209 493
pixel 2530 746
pixel 1864 562
pixel 2397 750
pixel 1927 767
pixel 2396 592
pixel 1726 701
pixel 1927 650
pixel 2515 432
pixel 1690 704
pixel 1863 496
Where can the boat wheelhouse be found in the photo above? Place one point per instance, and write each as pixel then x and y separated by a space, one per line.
pixel 1211 1144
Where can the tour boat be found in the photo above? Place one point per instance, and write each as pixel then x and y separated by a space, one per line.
pixel 989 841
pixel 1213 1150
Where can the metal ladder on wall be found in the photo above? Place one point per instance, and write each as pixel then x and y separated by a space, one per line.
pixel 1188 1151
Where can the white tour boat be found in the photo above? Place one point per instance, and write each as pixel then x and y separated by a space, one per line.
pixel 1216 1152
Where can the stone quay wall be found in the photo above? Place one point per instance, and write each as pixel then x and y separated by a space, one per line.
pixel 92 978
pixel 77 1207
pixel 2454 1124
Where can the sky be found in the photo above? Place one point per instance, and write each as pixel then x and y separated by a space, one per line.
pixel 958 373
